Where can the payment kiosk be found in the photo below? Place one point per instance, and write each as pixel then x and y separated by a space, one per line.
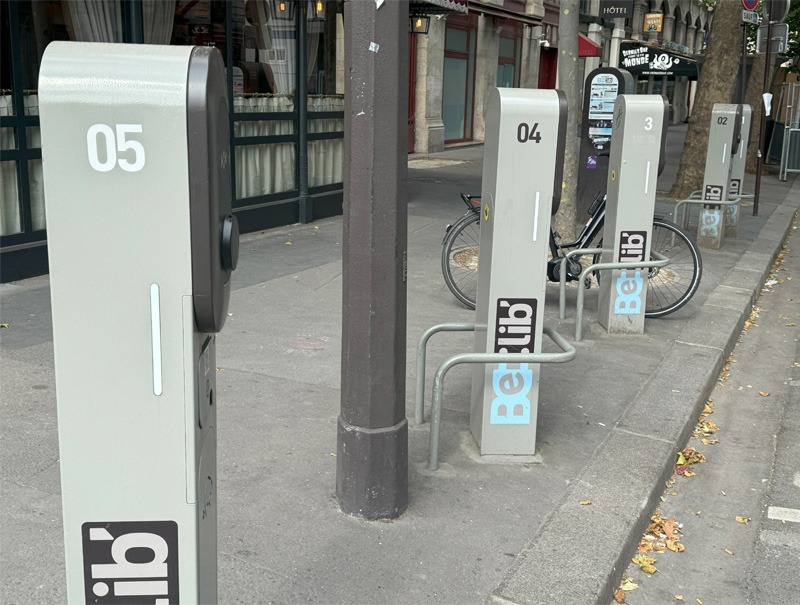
pixel 522 179
pixel 141 243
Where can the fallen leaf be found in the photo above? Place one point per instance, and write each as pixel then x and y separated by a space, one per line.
pixel 288 243
pixel 628 584
pixel 3 325
pixel 679 597
pixel 728 551
pixel 651 569
pixel 763 393
pixel 619 596
pixel 699 601
pixel 675 546
pixel 744 520
pixel 585 502
pixel 791 325
pixel 642 560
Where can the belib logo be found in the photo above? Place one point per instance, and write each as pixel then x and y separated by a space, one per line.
pixel 629 294
pixel 131 562
pixel 516 322
pixel 511 388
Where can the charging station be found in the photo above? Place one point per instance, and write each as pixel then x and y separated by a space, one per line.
pixel 636 144
pixel 141 243
pixel 521 187
pixel 723 144
pixel 738 163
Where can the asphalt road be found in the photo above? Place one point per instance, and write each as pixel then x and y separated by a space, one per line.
pixel 739 515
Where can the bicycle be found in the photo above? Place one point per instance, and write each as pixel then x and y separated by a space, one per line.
pixel 669 288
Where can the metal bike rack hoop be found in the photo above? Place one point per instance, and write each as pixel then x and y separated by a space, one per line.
pixel 567 354
pixel 661 261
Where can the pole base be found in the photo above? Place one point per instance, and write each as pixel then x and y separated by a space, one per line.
pixel 372 470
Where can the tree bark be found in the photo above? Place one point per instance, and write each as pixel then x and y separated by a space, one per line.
pixel 715 85
pixel 564 221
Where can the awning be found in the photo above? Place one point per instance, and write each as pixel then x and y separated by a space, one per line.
pixel 588 47
pixel 502 13
pixel 650 60
pixel 428 7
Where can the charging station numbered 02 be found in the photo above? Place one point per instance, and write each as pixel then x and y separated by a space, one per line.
pixel 142 244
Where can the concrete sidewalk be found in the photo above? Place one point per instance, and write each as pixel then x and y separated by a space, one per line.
pixel 608 427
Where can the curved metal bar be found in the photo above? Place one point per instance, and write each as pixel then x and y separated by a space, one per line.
pixel 562 277
pixel 567 354
pixel 695 200
pixel 419 401
pixel 661 262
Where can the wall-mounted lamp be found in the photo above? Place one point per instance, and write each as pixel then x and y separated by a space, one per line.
pixel 282 7
pixel 317 9
pixel 544 43
pixel 418 24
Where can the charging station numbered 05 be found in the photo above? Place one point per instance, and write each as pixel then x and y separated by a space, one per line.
pixel 142 244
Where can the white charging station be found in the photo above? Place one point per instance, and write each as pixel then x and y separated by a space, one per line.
pixel 142 243
pixel 738 163
pixel 723 144
pixel 636 143
pixel 522 176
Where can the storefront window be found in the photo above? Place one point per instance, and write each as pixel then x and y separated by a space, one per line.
pixel 506 63
pixel 263 63
pixel 458 84
pixel 10 216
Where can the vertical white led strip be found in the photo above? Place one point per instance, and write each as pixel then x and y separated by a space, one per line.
pixel 536 217
pixel 724 152
pixel 155 330
pixel 647 178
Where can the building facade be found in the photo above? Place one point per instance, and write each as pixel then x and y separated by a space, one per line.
pixel 285 70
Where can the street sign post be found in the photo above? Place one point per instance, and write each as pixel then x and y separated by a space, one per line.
pixel 778 36
pixel 750 17
pixel 776 10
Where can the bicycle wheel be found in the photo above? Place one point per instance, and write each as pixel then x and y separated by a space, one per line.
pixel 671 287
pixel 460 258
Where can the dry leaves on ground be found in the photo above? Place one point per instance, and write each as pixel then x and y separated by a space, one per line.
pixel 662 534
pixel 645 563
pixel 686 458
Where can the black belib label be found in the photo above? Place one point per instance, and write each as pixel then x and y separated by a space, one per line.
pixel 631 246
pixel 516 323
pixel 131 562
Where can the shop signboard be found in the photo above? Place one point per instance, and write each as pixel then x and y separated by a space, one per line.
pixel 648 60
pixel 653 22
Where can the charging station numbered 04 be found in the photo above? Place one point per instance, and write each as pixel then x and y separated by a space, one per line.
pixel 142 244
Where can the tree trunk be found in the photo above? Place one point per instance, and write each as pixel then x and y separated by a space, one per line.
pixel 564 221
pixel 715 85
